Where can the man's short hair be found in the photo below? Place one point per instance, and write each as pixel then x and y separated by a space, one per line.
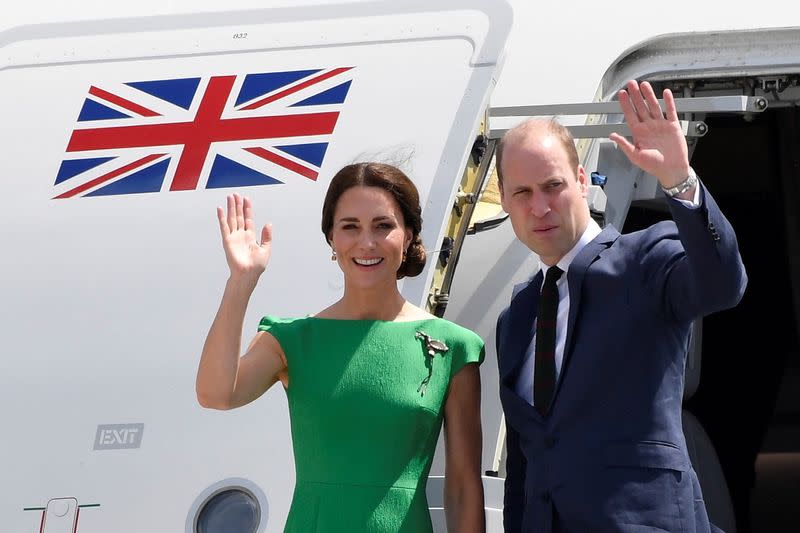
pixel 553 127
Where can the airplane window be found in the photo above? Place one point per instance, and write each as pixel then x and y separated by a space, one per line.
pixel 229 511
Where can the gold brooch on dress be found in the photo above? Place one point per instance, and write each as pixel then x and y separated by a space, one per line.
pixel 432 346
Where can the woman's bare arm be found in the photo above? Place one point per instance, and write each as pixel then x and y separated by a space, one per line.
pixel 224 380
pixel 463 489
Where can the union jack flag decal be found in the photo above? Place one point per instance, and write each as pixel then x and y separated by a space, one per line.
pixel 192 133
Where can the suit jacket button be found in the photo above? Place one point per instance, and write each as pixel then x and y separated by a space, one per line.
pixel 549 442
pixel 546 497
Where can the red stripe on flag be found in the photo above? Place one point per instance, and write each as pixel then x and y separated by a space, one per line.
pixel 203 132
pixel 298 87
pixel 282 161
pixel 122 102
pixel 111 175
pixel 238 129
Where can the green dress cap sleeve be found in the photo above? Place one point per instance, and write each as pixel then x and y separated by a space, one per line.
pixel 283 329
pixel 470 349
pixel 270 321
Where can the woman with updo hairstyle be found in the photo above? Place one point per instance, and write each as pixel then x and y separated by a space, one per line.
pixel 370 380
pixel 392 180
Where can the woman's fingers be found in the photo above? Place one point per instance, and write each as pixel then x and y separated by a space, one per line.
pixel 231 213
pixel 266 234
pixel 223 222
pixel 239 211
pixel 248 214
pixel 239 217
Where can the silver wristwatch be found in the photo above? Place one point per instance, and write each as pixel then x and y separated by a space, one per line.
pixel 682 187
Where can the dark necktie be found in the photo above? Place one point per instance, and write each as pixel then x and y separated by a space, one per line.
pixel 544 376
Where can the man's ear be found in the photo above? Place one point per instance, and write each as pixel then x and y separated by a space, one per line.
pixel 583 181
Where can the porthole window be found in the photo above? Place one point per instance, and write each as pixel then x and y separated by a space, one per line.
pixel 232 510
pixel 232 505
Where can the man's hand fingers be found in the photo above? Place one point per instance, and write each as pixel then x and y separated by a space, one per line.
pixel 627 108
pixel 669 105
pixel 624 144
pixel 652 102
pixel 638 101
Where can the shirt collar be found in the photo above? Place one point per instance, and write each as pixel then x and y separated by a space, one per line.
pixel 592 230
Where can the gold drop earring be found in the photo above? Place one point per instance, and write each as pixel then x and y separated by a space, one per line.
pixel 333 254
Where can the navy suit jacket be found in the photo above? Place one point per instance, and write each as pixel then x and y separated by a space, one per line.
pixel 611 455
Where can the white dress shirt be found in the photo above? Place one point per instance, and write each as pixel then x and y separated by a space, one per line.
pixel 524 386
pixel 525 379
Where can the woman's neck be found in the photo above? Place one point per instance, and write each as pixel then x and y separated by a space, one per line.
pixel 375 304
pixel 367 304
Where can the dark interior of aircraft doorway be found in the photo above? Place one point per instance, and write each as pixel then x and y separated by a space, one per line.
pixel 748 399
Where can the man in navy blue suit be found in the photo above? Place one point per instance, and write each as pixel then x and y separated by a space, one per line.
pixel 592 395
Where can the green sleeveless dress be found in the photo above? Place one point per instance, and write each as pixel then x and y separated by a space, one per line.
pixel 366 400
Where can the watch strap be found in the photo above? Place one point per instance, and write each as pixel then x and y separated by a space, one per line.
pixel 682 187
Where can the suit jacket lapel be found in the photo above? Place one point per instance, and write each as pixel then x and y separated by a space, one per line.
pixel 577 271
pixel 521 314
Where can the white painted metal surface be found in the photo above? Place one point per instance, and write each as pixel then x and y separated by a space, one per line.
pixel 106 299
